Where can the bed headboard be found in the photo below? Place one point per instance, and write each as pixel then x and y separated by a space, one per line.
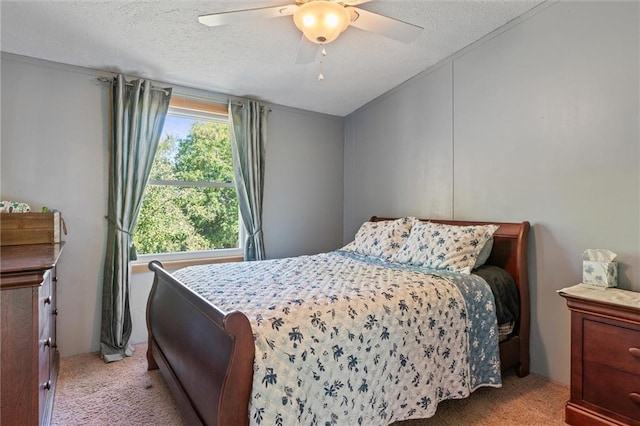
pixel 509 252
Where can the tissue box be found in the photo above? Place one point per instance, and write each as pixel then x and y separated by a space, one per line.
pixel 600 274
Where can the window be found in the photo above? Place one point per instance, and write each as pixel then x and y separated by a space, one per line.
pixel 190 206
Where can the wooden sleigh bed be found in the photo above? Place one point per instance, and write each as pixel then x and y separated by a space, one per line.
pixel 185 330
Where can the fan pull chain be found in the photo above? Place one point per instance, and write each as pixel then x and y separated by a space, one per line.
pixel 324 53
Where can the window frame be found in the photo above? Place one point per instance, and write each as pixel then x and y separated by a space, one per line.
pixel 208 110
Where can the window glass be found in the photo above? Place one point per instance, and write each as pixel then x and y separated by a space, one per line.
pixel 190 202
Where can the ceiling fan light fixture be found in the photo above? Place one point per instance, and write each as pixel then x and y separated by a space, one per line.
pixel 321 21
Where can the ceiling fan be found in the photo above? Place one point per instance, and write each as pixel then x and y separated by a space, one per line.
pixel 321 22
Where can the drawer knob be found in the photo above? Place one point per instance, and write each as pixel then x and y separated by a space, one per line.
pixel 635 352
pixel 47 301
pixel 48 342
pixel 47 385
pixel 635 397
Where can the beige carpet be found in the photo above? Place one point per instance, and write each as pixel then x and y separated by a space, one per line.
pixel 90 392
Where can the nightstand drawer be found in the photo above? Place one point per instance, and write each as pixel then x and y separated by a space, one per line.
pixel 611 389
pixel 613 346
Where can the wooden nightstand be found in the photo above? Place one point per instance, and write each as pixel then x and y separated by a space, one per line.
pixel 605 356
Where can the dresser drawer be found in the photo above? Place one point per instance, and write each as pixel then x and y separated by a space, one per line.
pixel 611 345
pixel 611 389
pixel 44 375
pixel 44 309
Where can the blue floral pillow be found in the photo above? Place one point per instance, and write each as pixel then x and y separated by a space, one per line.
pixel 382 239
pixel 449 247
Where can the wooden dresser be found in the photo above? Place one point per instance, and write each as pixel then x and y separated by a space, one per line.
pixel 28 351
pixel 605 356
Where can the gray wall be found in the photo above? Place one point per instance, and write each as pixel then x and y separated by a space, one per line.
pixel 54 153
pixel 304 181
pixel 539 123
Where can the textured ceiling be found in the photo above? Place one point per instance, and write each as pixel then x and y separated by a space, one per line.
pixel 163 40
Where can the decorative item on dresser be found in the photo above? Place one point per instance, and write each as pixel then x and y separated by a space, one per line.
pixel 28 356
pixel 605 356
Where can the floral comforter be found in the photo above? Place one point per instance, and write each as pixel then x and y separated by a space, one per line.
pixel 349 340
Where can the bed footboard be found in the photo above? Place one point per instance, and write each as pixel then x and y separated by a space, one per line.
pixel 204 354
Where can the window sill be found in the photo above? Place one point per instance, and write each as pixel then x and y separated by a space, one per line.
pixel 172 265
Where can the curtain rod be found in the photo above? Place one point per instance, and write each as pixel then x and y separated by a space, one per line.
pixel 107 80
pixel 262 107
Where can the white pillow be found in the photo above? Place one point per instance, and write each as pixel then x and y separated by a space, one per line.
pixel 440 246
pixel 484 254
pixel 383 239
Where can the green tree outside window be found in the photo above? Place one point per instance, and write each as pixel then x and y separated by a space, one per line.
pixel 190 204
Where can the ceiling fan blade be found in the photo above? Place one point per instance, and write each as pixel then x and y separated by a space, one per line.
pixel 353 2
pixel 307 51
pixel 389 27
pixel 237 16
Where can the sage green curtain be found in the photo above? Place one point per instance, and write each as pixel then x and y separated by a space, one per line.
pixel 248 137
pixel 139 111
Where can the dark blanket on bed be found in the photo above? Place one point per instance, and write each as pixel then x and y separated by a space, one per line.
pixel 504 291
